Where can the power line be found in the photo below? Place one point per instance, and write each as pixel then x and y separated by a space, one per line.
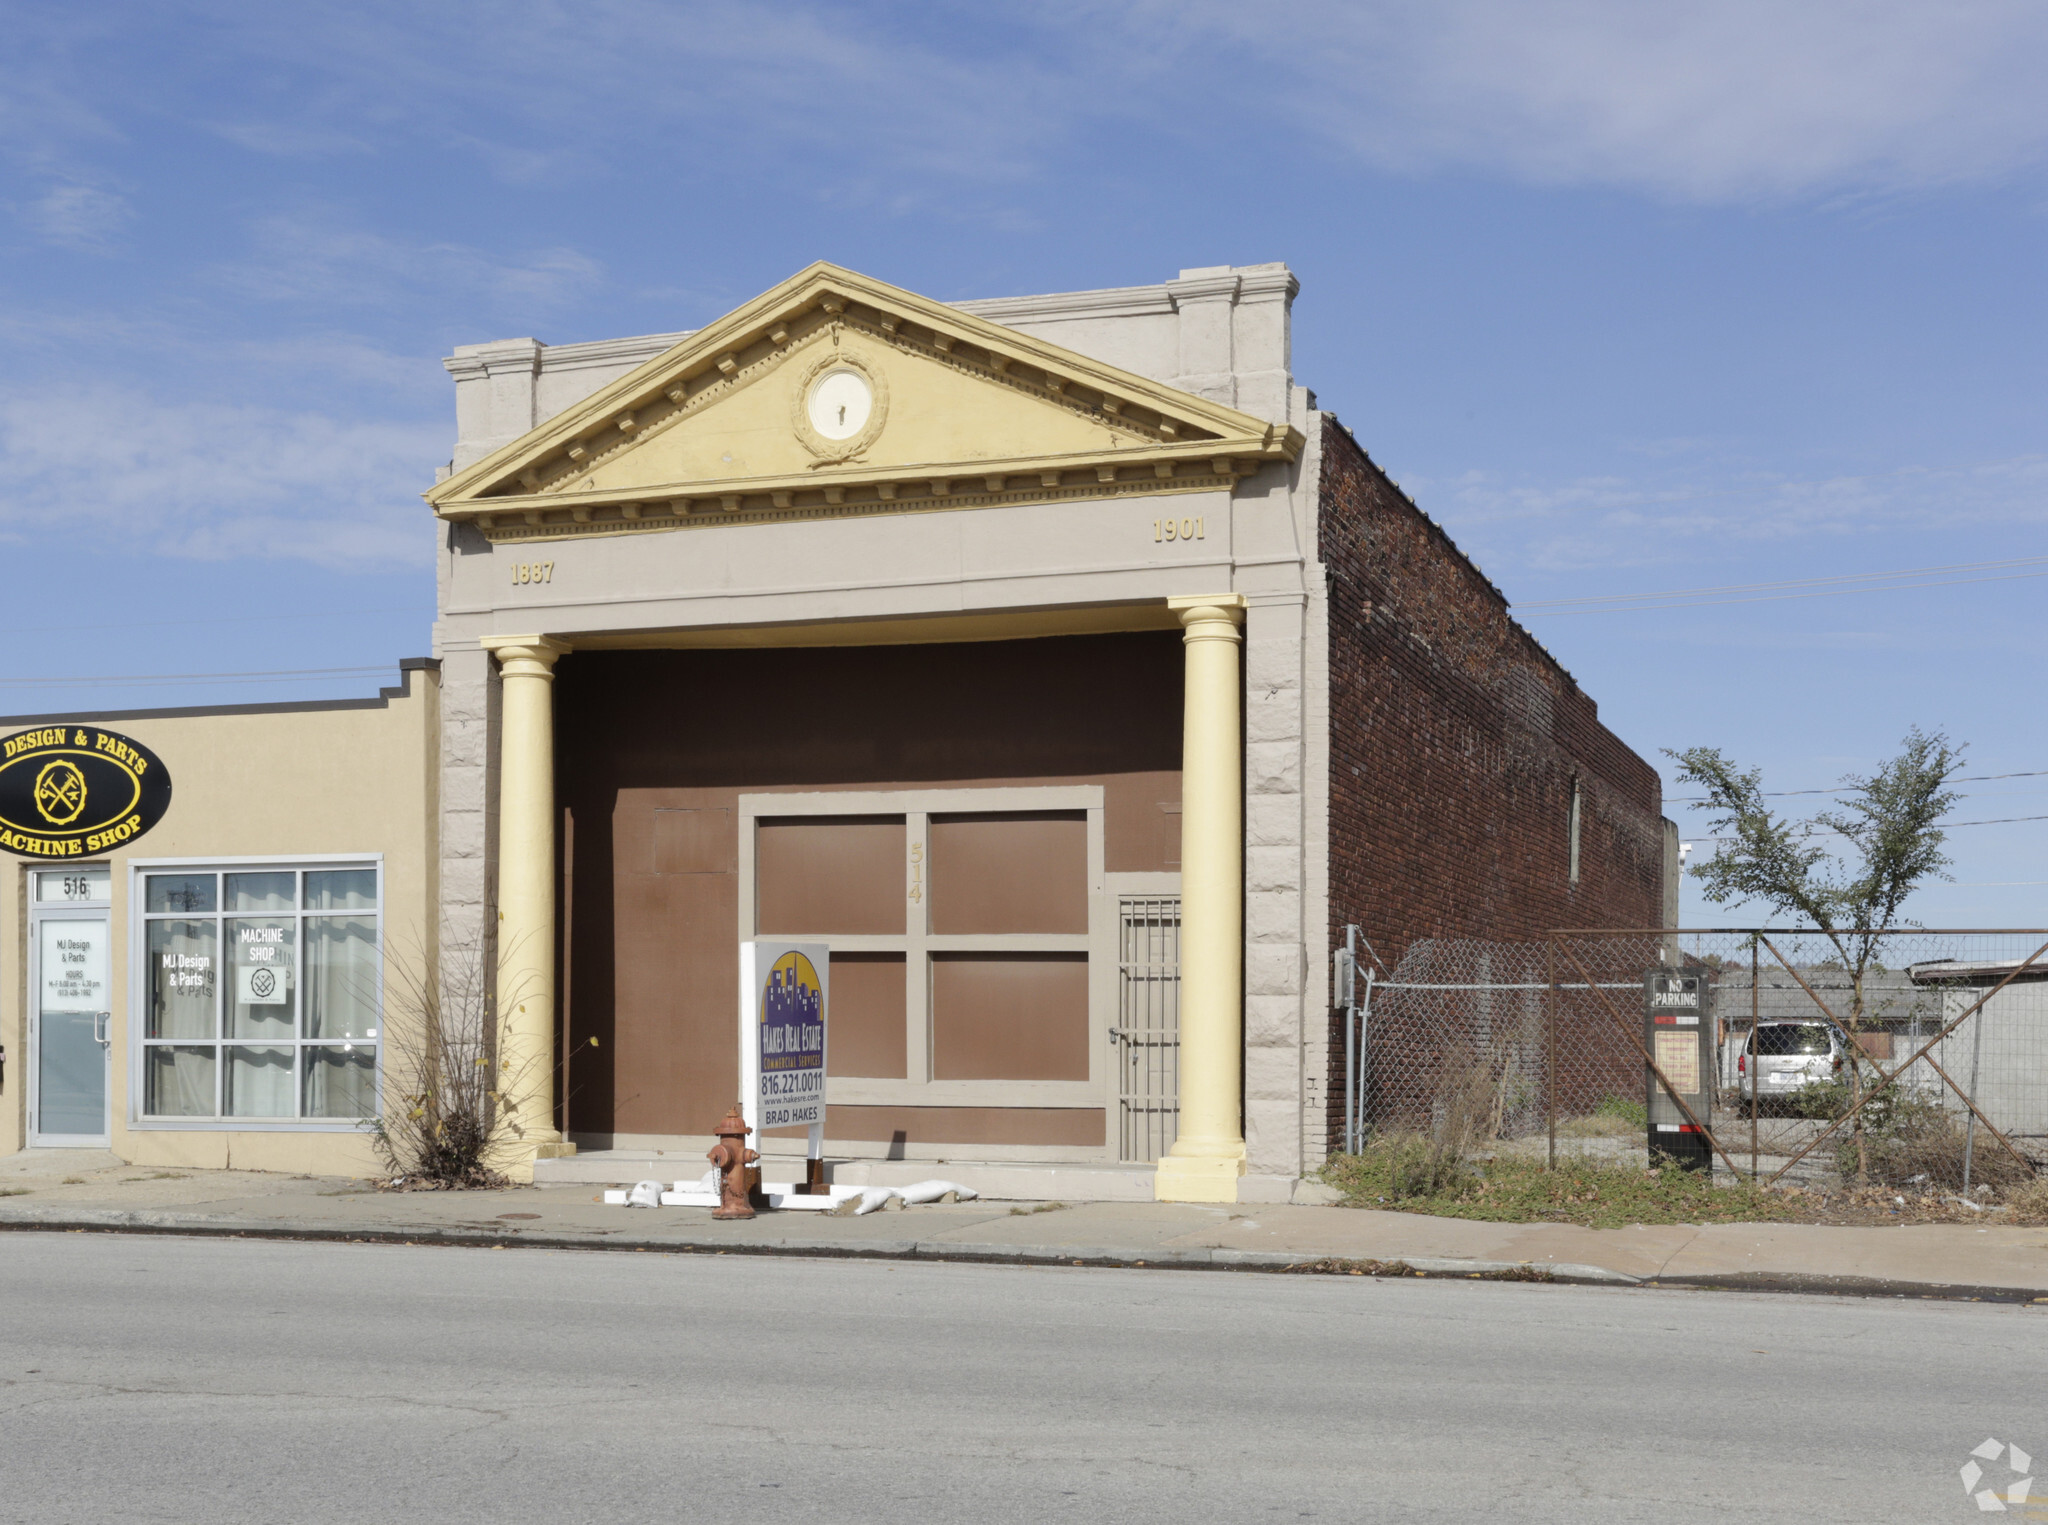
pixel 222 619
pixel 1795 582
pixel 1777 794
pixel 1767 592
pixel 2003 820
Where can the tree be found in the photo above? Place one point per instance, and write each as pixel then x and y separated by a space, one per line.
pixel 1891 823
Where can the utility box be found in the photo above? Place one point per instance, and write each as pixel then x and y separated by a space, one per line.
pixel 1678 1033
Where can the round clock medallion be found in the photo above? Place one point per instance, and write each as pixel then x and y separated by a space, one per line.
pixel 840 403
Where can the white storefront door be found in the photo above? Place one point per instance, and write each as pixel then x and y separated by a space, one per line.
pixel 69 1009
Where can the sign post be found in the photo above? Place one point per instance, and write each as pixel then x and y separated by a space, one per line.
pixel 1679 1037
pixel 784 990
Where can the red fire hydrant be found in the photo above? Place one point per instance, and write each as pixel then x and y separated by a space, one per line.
pixel 732 1157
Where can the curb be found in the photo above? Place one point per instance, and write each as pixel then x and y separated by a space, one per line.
pixel 148 1221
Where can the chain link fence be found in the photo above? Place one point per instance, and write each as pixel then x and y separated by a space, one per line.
pixel 1911 1057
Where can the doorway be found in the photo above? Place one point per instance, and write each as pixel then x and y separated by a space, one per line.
pixel 69 1008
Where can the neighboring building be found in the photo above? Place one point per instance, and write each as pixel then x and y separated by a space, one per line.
pixel 300 837
pixel 1052 658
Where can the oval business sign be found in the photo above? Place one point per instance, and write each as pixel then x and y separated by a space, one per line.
pixel 76 791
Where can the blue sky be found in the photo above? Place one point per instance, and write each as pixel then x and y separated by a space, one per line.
pixel 1632 297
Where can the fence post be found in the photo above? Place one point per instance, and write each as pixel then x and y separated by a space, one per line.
pixel 1364 1053
pixel 1347 987
pixel 1755 1048
pixel 1550 1053
pixel 1970 1132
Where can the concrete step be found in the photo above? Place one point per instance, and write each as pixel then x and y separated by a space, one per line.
pixel 998 1180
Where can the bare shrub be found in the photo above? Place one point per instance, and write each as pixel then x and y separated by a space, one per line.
pixel 443 1126
pixel 1465 1112
pixel 1913 1141
pixel 2029 1203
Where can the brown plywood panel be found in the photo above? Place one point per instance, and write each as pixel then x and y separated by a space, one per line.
pixel 694 841
pixel 1065 1127
pixel 1009 1016
pixel 1010 872
pixel 829 875
pixel 866 1033
pixel 677 983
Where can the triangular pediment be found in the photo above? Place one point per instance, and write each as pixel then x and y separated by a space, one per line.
pixel 749 419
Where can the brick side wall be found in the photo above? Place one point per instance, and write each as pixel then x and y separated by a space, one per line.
pixel 1454 741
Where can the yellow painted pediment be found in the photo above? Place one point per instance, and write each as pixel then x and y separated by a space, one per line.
pixel 949 411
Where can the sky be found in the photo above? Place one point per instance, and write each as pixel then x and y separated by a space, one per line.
pixel 1634 298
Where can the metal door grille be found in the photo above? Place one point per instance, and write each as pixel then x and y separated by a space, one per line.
pixel 1148 1026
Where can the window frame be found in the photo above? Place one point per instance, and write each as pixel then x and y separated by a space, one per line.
pixel 917 943
pixel 138 1044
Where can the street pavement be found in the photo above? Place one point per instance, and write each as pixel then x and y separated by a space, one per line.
pixel 165 1378
pixel 64 1190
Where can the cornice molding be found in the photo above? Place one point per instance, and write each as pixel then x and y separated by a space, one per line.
pixel 776 500
pixel 1112 302
pixel 1167 441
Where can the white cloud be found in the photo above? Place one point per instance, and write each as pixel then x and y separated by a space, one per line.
pixel 938 107
pixel 1735 100
pixel 1616 522
pixel 317 255
pixel 214 481
pixel 80 217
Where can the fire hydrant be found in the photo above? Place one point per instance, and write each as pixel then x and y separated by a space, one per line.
pixel 732 1157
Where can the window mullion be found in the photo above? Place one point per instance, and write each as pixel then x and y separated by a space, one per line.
pixel 917 988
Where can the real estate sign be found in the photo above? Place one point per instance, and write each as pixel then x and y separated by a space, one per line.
pixel 785 991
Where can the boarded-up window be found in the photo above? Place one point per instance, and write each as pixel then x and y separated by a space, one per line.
pixel 868 1002
pixel 1011 872
pixel 824 875
pixel 1009 1016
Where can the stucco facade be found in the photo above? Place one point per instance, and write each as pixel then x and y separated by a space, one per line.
pixel 278 790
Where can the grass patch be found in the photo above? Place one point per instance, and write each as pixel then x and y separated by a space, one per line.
pixel 1510 1190
pixel 14 1191
pixel 1615 1117
pixel 1042 1207
pixel 74 1181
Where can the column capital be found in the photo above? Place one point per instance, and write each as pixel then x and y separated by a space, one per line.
pixel 1210 616
pixel 526 656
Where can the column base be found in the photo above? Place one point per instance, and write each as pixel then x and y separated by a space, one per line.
pixel 518 1168
pixel 1197 1178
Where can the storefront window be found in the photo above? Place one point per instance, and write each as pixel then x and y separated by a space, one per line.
pixel 263 993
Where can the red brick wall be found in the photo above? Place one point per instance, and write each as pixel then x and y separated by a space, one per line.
pixel 1454 740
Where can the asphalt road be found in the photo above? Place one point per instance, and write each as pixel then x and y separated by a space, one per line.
pixel 216 1381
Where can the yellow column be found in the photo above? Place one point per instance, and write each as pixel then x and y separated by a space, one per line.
pixel 526 899
pixel 1208 1154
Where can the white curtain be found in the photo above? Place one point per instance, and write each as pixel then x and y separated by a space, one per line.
pixel 180 1082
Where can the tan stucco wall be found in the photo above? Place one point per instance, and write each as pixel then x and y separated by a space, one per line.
pixel 275 783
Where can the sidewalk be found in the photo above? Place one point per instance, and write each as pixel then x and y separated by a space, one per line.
pixel 71 1190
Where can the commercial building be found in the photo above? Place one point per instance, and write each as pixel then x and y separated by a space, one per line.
pixel 1054 659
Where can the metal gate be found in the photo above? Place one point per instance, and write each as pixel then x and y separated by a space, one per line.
pixel 1147 1033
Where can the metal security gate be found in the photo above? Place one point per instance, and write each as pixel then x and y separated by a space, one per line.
pixel 1147 1033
